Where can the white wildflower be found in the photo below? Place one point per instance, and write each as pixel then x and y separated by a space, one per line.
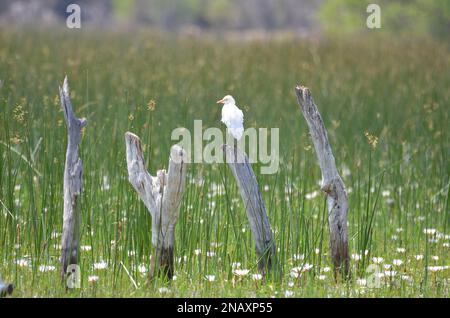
pixel 46 268
pixel 100 265
pixel 164 290
pixel 92 279
pixel 397 262
pixel 241 272
pixel 377 260
pixel 386 193
pixel 288 293
pixel 22 262
pixel 429 231
pixel 142 269
pixel 210 278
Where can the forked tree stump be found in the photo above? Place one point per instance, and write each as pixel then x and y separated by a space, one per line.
pixel 332 183
pixel 162 197
pixel 73 172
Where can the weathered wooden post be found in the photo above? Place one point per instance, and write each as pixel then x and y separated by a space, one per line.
pixel 162 197
pixel 332 183
pixel 254 204
pixel 73 172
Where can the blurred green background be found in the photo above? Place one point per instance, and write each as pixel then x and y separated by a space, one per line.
pixel 332 17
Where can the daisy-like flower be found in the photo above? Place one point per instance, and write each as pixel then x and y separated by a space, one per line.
pixel 326 269
pixel 86 247
pixel 321 277
pixel 406 278
pixel 46 268
pixel 256 276
pixel 210 278
pixel 377 260
pixel 164 290
pixel 429 231
pixel 297 271
pixel 397 262
pixel 435 258
pixel 356 257
pixel 100 265
pixel 401 250
pixel 418 257
pixel 197 252
pixel 92 279
pixel 241 272
pixel 386 193
pixel 437 268
pixel 210 254
pixel 288 293
pixel 23 262
pixel 142 269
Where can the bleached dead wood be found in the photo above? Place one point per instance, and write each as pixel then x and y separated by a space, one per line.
pixel 332 183
pixel 162 196
pixel 254 205
pixel 73 172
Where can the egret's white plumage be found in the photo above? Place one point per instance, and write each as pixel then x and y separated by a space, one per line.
pixel 232 116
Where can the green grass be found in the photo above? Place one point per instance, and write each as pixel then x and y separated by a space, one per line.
pixel 394 89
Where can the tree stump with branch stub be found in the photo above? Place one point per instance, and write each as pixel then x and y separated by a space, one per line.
pixel 162 197
pixel 332 183
pixel 254 204
pixel 73 172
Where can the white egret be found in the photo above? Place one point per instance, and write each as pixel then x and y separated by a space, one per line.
pixel 232 116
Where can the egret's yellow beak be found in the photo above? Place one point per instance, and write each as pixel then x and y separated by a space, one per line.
pixel 220 101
